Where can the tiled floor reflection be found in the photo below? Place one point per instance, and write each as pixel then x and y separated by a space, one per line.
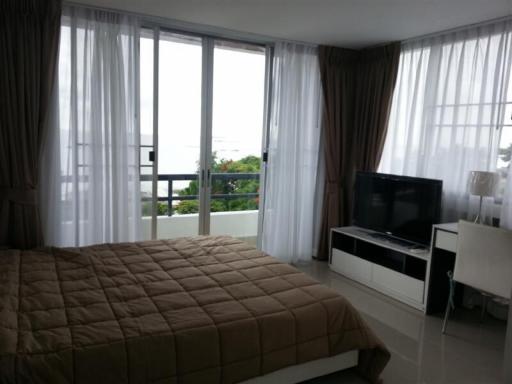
pixel 471 352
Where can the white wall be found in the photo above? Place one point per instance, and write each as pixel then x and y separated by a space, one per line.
pixel 235 223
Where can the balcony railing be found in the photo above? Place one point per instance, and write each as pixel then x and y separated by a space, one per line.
pixel 170 178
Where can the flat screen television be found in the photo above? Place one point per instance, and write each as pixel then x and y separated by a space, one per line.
pixel 399 206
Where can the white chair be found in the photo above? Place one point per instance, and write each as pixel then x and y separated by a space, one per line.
pixel 483 261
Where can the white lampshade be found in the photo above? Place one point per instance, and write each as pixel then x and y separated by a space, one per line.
pixel 483 183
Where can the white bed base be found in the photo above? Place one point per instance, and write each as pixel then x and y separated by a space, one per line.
pixel 309 370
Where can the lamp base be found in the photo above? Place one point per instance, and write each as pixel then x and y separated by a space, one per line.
pixel 478 218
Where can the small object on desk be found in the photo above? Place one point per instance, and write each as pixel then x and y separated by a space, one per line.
pixel 482 184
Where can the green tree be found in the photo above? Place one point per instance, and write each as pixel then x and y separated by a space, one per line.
pixel 248 164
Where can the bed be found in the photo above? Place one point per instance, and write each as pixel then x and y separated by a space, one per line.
pixel 190 310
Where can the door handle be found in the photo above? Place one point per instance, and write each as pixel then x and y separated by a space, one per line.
pixel 209 182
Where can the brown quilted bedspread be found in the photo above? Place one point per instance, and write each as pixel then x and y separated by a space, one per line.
pixel 189 310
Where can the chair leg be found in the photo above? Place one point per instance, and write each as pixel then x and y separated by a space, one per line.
pixel 445 320
pixel 449 305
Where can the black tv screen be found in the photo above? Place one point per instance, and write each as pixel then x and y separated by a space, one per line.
pixel 400 206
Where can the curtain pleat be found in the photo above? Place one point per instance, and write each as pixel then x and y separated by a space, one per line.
pixel 29 40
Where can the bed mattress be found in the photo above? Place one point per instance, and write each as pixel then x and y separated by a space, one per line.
pixel 190 310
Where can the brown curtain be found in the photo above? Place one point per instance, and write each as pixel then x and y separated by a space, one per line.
pixel 376 78
pixel 338 74
pixel 358 90
pixel 29 37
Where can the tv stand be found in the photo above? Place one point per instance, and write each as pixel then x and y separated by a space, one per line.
pixel 391 266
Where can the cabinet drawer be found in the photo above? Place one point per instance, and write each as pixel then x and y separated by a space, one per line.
pixel 399 283
pixel 446 240
pixel 351 266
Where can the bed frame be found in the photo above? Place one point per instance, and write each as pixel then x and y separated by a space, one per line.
pixel 309 370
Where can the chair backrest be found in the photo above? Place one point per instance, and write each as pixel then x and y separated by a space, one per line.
pixel 484 258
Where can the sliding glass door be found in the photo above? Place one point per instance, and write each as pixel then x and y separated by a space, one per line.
pixel 236 145
pixel 170 126
pixel 201 122
pixel 179 134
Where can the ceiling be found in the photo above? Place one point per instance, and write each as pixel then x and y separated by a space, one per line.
pixel 345 23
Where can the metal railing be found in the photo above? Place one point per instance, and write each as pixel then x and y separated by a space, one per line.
pixel 170 178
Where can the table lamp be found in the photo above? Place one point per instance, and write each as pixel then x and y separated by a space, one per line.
pixel 482 184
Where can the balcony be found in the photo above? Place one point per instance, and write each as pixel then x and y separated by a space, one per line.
pixel 240 221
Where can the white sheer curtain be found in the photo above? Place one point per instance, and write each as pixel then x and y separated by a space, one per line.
pixel 90 172
pixel 294 137
pixel 448 112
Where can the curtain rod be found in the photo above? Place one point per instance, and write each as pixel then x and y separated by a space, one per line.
pixel 194 28
pixel 458 29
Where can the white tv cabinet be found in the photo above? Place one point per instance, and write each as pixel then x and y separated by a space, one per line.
pixel 396 270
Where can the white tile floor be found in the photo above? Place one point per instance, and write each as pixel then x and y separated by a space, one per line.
pixel 470 353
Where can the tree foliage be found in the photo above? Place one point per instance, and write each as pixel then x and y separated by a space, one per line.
pixel 248 164
pixel 229 186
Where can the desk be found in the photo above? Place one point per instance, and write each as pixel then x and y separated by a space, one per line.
pixel 442 260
